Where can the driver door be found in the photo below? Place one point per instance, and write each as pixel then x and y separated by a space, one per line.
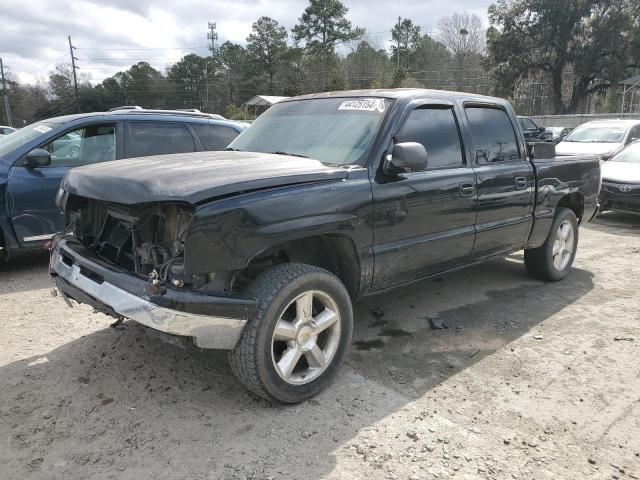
pixel 424 222
pixel 32 191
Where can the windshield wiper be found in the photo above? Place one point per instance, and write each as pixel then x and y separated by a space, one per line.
pixel 290 154
pixel 231 149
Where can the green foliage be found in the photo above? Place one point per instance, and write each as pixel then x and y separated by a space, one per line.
pixel 406 35
pixel 323 26
pixel 266 46
pixel 587 40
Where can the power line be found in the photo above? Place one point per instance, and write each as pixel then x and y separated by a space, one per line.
pixel 6 96
pixel 144 49
pixel 73 67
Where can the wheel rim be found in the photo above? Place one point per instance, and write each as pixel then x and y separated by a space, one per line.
pixel 563 245
pixel 306 337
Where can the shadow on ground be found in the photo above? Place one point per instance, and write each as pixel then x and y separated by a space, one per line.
pixel 118 400
pixel 616 223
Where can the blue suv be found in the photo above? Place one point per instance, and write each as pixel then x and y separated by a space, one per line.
pixel 34 159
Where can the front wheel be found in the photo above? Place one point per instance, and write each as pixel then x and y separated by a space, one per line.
pixel 553 260
pixel 296 343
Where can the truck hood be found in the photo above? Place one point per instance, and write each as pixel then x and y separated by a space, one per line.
pixel 585 148
pixel 621 172
pixel 193 177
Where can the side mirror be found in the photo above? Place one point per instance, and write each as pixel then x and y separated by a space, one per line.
pixel 407 157
pixel 542 129
pixel 37 157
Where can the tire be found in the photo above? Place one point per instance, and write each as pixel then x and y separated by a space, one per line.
pixel 262 358
pixel 545 264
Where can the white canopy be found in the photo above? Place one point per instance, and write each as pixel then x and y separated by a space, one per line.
pixel 263 101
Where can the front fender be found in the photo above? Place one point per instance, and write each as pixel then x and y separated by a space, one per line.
pixel 225 235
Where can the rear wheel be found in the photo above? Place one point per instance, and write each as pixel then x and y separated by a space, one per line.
pixel 295 345
pixel 553 260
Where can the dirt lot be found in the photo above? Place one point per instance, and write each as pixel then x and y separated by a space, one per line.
pixel 529 380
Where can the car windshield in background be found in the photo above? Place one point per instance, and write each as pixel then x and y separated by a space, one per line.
pixel 10 142
pixel 336 131
pixel 631 154
pixel 597 135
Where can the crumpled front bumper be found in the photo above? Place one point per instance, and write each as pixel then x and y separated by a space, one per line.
pixel 212 322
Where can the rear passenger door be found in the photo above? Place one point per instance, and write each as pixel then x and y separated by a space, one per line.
pixel 145 138
pixel 505 181
pixel 424 221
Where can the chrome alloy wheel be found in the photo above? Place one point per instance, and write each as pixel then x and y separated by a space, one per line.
pixel 563 245
pixel 306 337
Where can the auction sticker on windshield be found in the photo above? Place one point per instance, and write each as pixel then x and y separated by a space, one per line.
pixel 364 105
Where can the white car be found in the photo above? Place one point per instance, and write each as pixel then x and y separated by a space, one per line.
pixel 600 137
pixel 621 181
pixel 6 130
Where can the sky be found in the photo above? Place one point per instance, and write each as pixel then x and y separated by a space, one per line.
pixel 112 35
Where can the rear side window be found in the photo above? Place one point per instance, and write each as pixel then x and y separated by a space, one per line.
pixel 493 135
pixel 158 138
pixel 437 130
pixel 528 124
pixel 202 131
pixel 222 136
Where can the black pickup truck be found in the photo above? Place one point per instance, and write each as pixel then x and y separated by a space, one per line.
pixel 325 199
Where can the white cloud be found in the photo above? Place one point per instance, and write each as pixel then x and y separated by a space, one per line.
pixel 33 37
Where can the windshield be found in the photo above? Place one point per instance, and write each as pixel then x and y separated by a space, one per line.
pixel 336 131
pixel 597 134
pixel 631 154
pixel 18 138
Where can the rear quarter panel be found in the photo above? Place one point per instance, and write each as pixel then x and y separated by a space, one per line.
pixel 556 178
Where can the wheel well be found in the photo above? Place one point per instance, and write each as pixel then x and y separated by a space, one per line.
pixel 573 201
pixel 335 253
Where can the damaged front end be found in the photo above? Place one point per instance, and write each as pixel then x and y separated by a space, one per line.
pixel 128 261
pixel 147 240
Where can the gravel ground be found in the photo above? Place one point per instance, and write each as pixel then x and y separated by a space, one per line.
pixel 528 380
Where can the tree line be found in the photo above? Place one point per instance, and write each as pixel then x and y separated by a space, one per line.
pixel 547 56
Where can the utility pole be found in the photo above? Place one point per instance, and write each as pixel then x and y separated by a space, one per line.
pixel 7 108
pixel 398 48
pixel 213 36
pixel 75 79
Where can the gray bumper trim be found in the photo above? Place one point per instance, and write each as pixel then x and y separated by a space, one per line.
pixel 207 331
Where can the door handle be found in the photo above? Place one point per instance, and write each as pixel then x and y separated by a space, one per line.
pixel 467 189
pixel 521 183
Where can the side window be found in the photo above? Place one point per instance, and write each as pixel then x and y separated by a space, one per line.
pixel 221 137
pixel 92 144
pixel 202 131
pixel 634 134
pixel 437 130
pixel 493 135
pixel 529 125
pixel 158 138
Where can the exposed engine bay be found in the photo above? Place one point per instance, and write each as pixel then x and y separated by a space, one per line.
pixel 145 239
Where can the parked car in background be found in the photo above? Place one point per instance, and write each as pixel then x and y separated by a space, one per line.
pixel 34 159
pixel 326 198
pixel 601 137
pixel 6 130
pixel 558 133
pixel 532 132
pixel 620 188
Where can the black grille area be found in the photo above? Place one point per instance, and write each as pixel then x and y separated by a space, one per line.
pixel 138 238
pixel 115 242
